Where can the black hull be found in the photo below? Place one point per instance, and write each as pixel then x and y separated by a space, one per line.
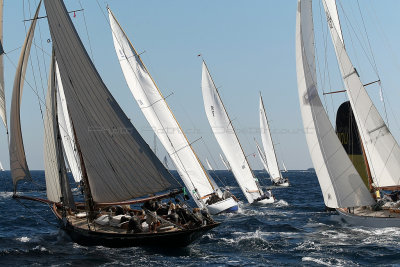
pixel 165 239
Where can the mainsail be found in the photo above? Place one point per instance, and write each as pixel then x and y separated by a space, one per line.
pixel 3 113
pixel 18 165
pixel 340 182
pixel 160 116
pixel 227 138
pixel 119 163
pixel 382 150
pixel 268 145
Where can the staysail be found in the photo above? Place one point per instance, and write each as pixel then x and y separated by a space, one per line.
pixel 3 113
pixel 340 183
pixel 382 150
pixel 18 165
pixel 119 163
pixel 268 145
pixel 57 184
pixel 227 139
pixel 160 116
pixel 66 132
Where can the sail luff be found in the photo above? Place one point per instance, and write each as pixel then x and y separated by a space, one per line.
pixel 340 183
pixel 18 165
pixel 225 134
pixel 382 149
pixel 268 145
pixel 3 113
pixel 160 116
pixel 120 165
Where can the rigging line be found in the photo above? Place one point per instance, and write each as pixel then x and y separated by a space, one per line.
pixel 34 212
pixel 87 31
pixel 215 163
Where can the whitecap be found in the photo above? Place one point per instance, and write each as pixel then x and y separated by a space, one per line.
pixel 23 239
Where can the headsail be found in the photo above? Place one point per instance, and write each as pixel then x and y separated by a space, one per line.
pixel 340 182
pixel 268 145
pixel 382 150
pixel 333 16
pixel 227 139
pixel 119 163
pixel 67 135
pixel 3 113
pixel 160 116
pixel 18 165
pixel 57 184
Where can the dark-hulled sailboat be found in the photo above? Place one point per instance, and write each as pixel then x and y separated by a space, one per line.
pixel 116 164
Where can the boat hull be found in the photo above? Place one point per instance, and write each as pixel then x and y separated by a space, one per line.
pixel 368 221
pixel 226 205
pixel 165 239
pixel 286 184
pixel 264 201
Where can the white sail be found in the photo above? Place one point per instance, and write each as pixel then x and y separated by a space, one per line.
pixel 340 183
pixel 333 16
pixel 3 113
pixel 382 150
pixel 67 135
pixel 209 165
pixel 284 167
pixel 227 139
pixel 262 157
pixel 225 162
pixel 18 165
pixel 1 167
pixel 268 145
pixel 160 117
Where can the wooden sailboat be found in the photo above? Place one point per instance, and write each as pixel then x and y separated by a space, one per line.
pixel 269 149
pixel 342 185
pixel 118 167
pixel 228 141
pixel 199 183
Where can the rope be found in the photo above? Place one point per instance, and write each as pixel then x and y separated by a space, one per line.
pixel 37 214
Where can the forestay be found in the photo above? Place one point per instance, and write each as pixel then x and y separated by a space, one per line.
pixel 119 163
pixel 340 183
pixel 382 150
pixel 66 131
pixel 159 116
pixel 225 134
pixel 18 165
pixel 268 145
pixel 57 184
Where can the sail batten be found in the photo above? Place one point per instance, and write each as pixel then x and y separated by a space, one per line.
pixel 268 145
pixel 225 134
pixel 160 116
pixel 119 163
pixel 382 150
pixel 340 183
pixel 18 165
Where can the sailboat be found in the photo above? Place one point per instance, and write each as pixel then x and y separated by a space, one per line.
pixel 118 167
pixel 210 168
pixel 1 167
pixel 284 166
pixel 165 161
pixel 225 162
pixel 225 134
pixel 269 149
pixel 262 157
pixel 199 183
pixel 342 186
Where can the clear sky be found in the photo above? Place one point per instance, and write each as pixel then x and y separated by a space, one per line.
pixel 249 46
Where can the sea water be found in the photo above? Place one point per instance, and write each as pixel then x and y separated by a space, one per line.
pixel 295 230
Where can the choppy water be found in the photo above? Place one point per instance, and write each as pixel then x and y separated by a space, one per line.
pixel 294 231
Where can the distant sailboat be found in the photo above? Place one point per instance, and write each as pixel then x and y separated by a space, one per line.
pixel 210 168
pixel 165 161
pixel 228 141
pixel 117 169
pixel 262 156
pixel 342 185
pixel 225 162
pixel 269 149
pixel 1 167
pixel 284 167
pixel 199 183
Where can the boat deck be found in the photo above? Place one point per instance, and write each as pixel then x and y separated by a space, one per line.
pixel 368 212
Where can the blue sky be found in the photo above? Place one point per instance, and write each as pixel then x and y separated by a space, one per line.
pixel 249 46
